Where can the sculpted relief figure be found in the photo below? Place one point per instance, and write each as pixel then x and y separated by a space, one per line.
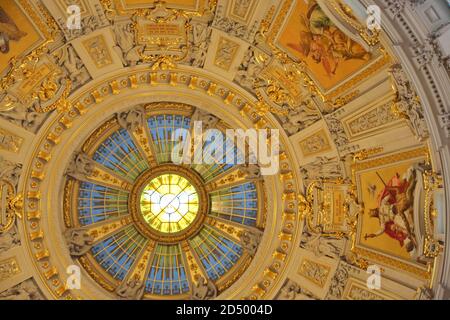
pixel 9 239
pixel 241 76
pixel 301 117
pixel 249 72
pixel 131 290
pixel 292 291
pixel 79 242
pixel 232 27
pixel 250 241
pixel 74 68
pixel 88 24
pixel 204 290
pixel 201 34
pixel 337 131
pixel 17 113
pixel 126 46
pixel 26 290
pixel 9 141
pixel 10 171
pixel 424 293
pixel 408 104
pixel 338 282
pixel 131 120
pixel 208 120
pixel 81 167
pixel 321 167
pixel 321 246
pixel 251 171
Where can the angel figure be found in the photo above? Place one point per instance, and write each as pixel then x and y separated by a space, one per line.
pixel 321 40
pixel 8 31
pixel 395 210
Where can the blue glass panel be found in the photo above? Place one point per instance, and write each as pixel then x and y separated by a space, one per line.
pixel 238 204
pixel 217 253
pixel 211 170
pixel 167 274
pixel 98 203
pixel 117 253
pixel 162 128
pixel 119 153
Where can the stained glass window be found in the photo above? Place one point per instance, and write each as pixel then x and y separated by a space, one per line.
pixel 217 253
pixel 169 203
pixel 238 204
pixel 97 203
pixel 167 275
pixel 164 208
pixel 208 170
pixel 117 253
pixel 119 153
pixel 162 128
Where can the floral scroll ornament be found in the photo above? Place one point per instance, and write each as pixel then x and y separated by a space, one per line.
pixel 35 81
pixel 11 206
pixel 432 181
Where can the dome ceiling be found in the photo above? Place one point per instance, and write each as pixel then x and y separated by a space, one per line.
pixel 94 206
pixel 141 230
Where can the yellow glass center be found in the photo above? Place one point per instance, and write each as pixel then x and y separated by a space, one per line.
pixel 169 203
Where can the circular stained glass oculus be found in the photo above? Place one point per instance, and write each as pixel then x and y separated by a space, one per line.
pixel 169 203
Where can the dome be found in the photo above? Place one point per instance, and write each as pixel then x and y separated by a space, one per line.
pixel 146 217
pixel 230 150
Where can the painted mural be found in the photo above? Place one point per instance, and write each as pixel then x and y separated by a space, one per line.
pixel 390 194
pixel 330 55
pixel 17 33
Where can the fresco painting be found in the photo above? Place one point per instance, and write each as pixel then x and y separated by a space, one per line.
pixel 330 55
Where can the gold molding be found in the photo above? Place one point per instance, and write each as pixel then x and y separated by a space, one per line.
pixel 308 266
pixel 11 206
pixel 9 268
pixel 223 42
pixel 10 141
